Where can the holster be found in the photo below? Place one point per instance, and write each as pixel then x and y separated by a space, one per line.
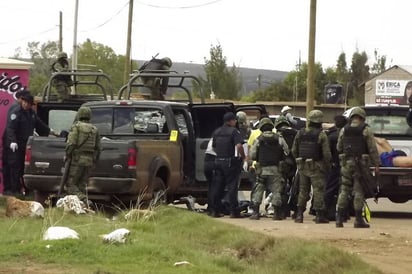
pixel 300 163
pixel 310 164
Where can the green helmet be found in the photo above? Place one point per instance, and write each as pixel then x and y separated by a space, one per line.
pixel 315 116
pixel 281 120
pixel 241 117
pixel 62 55
pixel 265 121
pixel 84 113
pixel 167 61
pixel 357 111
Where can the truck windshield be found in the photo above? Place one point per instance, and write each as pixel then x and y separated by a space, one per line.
pixel 61 119
pixel 389 125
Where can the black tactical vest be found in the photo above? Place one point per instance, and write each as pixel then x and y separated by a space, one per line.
pixel 223 142
pixel 354 143
pixel 288 134
pixel 270 151
pixel 309 148
pixel 333 141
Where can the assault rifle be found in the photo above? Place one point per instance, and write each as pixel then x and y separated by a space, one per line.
pixel 367 181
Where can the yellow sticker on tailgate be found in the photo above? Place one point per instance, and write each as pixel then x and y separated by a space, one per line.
pixel 173 135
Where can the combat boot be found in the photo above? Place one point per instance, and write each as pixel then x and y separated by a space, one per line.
pixel 255 212
pixel 277 215
pixel 339 217
pixel 299 215
pixel 320 217
pixel 359 221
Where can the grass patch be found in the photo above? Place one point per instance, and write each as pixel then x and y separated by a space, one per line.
pixel 156 243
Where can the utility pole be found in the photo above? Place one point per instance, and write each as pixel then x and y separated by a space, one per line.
pixel 127 62
pixel 310 95
pixel 74 57
pixel 60 31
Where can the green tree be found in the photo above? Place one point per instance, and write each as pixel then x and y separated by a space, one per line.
pixel 380 64
pixel 359 74
pixel 223 81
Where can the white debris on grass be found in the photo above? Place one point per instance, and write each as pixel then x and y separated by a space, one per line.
pixel 59 233
pixel 116 236
pixel 72 203
pixel 182 263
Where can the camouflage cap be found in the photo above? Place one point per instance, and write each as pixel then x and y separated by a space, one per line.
pixel 62 55
pixel 315 116
pixel 357 111
pixel 84 113
pixel 265 121
pixel 281 120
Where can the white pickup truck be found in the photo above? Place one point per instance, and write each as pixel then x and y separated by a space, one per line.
pixel 390 122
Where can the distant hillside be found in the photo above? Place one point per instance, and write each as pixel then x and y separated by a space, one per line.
pixel 248 75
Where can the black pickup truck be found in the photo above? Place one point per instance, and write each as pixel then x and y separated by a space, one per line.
pixel 147 147
pixel 389 122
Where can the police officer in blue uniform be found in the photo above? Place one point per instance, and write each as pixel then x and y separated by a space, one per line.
pixel 20 127
pixel 226 141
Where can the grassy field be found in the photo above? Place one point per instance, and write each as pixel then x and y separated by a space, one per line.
pixel 155 244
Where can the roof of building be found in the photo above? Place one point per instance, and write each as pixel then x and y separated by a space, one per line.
pixel 7 63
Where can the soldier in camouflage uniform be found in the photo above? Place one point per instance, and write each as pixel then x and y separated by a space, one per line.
pixel 62 83
pixel 83 150
pixel 288 169
pixel 268 150
pixel 358 151
pixel 312 153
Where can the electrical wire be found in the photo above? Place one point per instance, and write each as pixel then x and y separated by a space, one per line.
pixel 108 20
pixel 27 37
pixel 180 7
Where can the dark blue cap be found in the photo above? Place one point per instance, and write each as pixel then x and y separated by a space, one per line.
pixel 229 116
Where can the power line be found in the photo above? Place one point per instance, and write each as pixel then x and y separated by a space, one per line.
pixel 180 7
pixel 27 37
pixel 108 20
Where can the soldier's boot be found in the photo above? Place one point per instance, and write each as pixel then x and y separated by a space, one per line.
pixel 299 215
pixel 359 221
pixel 255 213
pixel 277 215
pixel 339 217
pixel 320 217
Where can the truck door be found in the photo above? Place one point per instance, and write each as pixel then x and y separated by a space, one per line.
pixel 206 118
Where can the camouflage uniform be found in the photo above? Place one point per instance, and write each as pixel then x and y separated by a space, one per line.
pixel 83 150
pixel 289 196
pixel 157 85
pixel 62 82
pixel 268 150
pixel 312 153
pixel 357 148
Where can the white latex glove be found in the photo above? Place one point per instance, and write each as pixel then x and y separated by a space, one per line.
pixel 14 147
pixel 245 166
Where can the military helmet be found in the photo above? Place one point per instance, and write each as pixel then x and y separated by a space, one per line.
pixel 357 111
pixel 265 121
pixel 62 55
pixel 241 117
pixel 315 116
pixel 84 113
pixel 281 120
pixel 167 61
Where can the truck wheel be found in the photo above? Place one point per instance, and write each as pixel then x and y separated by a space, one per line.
pixel 159 191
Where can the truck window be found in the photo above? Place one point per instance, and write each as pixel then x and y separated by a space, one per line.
pixel 389 125
pixel 138 120
pixel 102 119
pixel 61 119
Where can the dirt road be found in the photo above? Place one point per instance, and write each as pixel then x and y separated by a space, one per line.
pixel 387 244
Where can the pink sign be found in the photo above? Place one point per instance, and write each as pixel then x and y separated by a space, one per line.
pixel 11 81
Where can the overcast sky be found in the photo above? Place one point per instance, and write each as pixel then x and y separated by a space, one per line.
pixel 265 34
